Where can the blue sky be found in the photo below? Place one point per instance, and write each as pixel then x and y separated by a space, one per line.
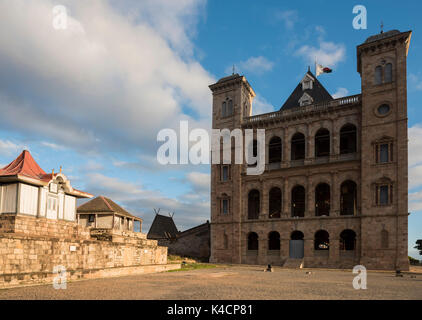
pixel 92 98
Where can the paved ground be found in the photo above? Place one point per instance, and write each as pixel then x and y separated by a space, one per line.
pixel 237 282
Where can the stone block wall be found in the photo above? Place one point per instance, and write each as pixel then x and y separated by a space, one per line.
pixel 194 243
pixel 30 253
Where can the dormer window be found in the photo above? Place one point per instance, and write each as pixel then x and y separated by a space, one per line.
pixel 305 100
pixel 307 82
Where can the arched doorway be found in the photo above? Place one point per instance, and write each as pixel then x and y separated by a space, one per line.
pixel 253 204
pixel 252 241
pixel 298 201
pixel 296 245
pixel 273 240
pixel 347 240
pixel 322 200
pixel 298 147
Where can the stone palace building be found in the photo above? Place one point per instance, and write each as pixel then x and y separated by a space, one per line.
pixel 335 186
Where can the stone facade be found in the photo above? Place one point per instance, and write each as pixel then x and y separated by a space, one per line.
pixel 367 225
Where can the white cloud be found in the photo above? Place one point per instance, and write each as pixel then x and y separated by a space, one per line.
pixel 52 145
pixel 115 80
pixel 415 81
pixel 200 181
pixel 415 145
pixel 340 93
pixel 257 65
pixel 9 148
pixel 289 17
pixel 260 106
pixel 327 53
pixel 189 211
pixel 415 201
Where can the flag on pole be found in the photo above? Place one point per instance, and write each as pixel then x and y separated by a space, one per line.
pixel 321 69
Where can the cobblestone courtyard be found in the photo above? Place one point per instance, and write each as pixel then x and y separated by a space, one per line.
pixel 232 282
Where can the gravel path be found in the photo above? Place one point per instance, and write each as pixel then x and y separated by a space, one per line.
pixel 234 282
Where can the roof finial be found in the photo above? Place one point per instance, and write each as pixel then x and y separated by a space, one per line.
pixel 382 27
pixel 52 173
pixel 309 68
pixel 233 69
pixel 60 169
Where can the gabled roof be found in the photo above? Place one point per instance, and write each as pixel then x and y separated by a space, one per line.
pixel 25 169
pixel 162 227
pixel 103 205
pixel 318 93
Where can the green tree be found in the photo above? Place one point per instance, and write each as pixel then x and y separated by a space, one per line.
pixel 419 246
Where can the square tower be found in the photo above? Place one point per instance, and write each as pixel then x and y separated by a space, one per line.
pixel 384 168
pixel 232 101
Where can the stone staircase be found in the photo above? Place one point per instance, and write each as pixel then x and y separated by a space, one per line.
pixel 293 263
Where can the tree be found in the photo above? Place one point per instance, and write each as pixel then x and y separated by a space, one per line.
pixel 419 246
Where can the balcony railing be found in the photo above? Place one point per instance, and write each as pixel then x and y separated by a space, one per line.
pixel 318 107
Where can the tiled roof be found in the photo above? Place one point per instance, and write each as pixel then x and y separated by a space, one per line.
pixel 318 94
pixel 162 227
pixel 102 204
pixel 24 168
pixel 25 165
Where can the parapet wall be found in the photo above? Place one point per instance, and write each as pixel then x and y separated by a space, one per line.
pixel 30 254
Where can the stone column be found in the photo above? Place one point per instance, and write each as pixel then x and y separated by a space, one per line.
pixel 308 249
pixel 286 149
pixel 335 195
pixel 286 199
pixel 334 250
pixel 309 147
pixel 263 210
pixel 310 197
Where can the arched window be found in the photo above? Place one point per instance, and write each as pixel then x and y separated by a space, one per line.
pixel 322 200
pixel 230 107
pixel 297 235
pixel 347 240
pixel 322 240
pixel 298 147
pixel 275 203
pixel 388 73
pixel 378 75
pixel 322 143
pixel 384 239
pixel 253 204
pixel 274 241
pixel 252 241
pixel 348 139
pixel 298 201
pixel 274 150
pixel 224 109
pixel 225 241
pixel 348 201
